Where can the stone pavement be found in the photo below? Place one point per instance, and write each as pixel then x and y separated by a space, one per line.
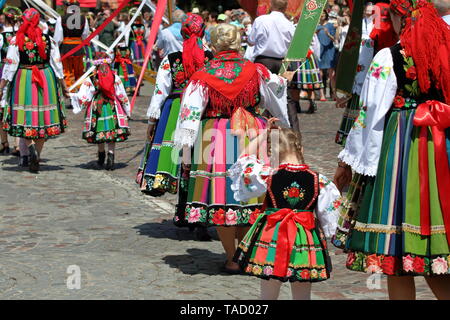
pixel 124 242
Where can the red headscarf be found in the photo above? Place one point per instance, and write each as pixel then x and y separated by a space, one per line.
pixel 192 30
pixel 426 38
pixel 105 75
pixel 384 36
pixel 30 29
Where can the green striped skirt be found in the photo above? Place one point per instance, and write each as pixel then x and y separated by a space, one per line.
pixel 159 169
pixel 386 236
pixel 308 77
pixel 348 119
pixel 105 121
pixel 309 260
pixel 34 112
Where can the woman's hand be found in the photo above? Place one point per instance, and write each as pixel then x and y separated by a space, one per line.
pixel 343 176
pixel 271 123
pixel 151 129
pixel 342 102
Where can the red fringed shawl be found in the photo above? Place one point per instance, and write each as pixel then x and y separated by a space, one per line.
pixel 232 81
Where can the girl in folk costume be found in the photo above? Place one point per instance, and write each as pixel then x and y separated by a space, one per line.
pixel 308 77
pixel 398 146
pixel 382 35
pixel 158 172
pixel 124 67
pixel 12 16
pixel 35 105
pixel 287 241
pixel 137 42
pixel 223 97
pixel 107 109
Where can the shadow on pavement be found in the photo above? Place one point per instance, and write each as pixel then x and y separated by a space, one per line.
pixel 92 165
pixel 197 261
pixel 167 230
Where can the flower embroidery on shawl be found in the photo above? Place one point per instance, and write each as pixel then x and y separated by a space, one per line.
pixel 294 194
pixel 439 266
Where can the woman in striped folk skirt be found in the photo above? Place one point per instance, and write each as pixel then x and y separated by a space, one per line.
pixel 398 143
pixel 34 109
pixel 124 68
pixel 107 109
pixel 220 104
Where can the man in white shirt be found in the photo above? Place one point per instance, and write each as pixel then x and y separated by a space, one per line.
pixel 443 7
pixel 170 39
pixel 271 36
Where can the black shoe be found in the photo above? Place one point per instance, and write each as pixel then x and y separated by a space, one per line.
pixel 312 107
pixel 5 148
pixel 16 152
pixel 23 162
pixel 110 162
pixel 34 161
pixel 101 158
pixel 202 234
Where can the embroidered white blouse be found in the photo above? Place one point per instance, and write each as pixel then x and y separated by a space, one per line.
pixel 85 94
pixel 254 184
pixel 13 60
pixel 163 88
pixel 195 100
pixel 363 146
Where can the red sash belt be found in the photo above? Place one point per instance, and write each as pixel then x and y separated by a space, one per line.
pixel 72 40
pixel 36 76
pixel 286 235
pixel 123 62
pixel 436 116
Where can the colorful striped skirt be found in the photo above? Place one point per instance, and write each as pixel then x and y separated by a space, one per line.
pixel 34 112
pixel 308 77
pixel 159 169
pixel 89 56
pixel 105 121
pixel 386 236
pixel 308 257
pixel 138 53
pixel 348 119
pixel 210 200
pixel 126 74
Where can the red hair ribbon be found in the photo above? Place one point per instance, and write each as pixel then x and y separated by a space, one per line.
pixel 433 115
pixel 287 232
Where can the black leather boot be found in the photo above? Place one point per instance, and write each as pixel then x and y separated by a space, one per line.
pixel 101 158
pixel 34 160
pixel 110 162
pixel 23 162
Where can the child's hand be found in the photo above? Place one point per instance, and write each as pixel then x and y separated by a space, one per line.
pixel 271 123
pixel 343 176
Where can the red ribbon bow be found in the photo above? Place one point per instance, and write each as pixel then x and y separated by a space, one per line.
pixel 286 235
pixel 123 62
pixel 436 116
pixel 36 76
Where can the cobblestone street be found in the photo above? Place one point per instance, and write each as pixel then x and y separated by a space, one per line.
pixel 123 241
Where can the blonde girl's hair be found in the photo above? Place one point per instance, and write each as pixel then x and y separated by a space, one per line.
pixel 225 37
pixel 285 141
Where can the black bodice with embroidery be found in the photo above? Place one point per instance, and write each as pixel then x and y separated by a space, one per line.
pixel 408 93
pixel 179 81
pixel 30 54
pixel 293 187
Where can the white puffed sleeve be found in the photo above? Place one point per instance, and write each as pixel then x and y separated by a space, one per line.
pixel 195 99
pixel 121 95
pixel 12 61
pixel 58 36
pixel 363 146
pixel 83 97
pixel 249 178
pixel 328 204
pixel 163 88
pixel 1 45
pixel 55 60
pixel 273 90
